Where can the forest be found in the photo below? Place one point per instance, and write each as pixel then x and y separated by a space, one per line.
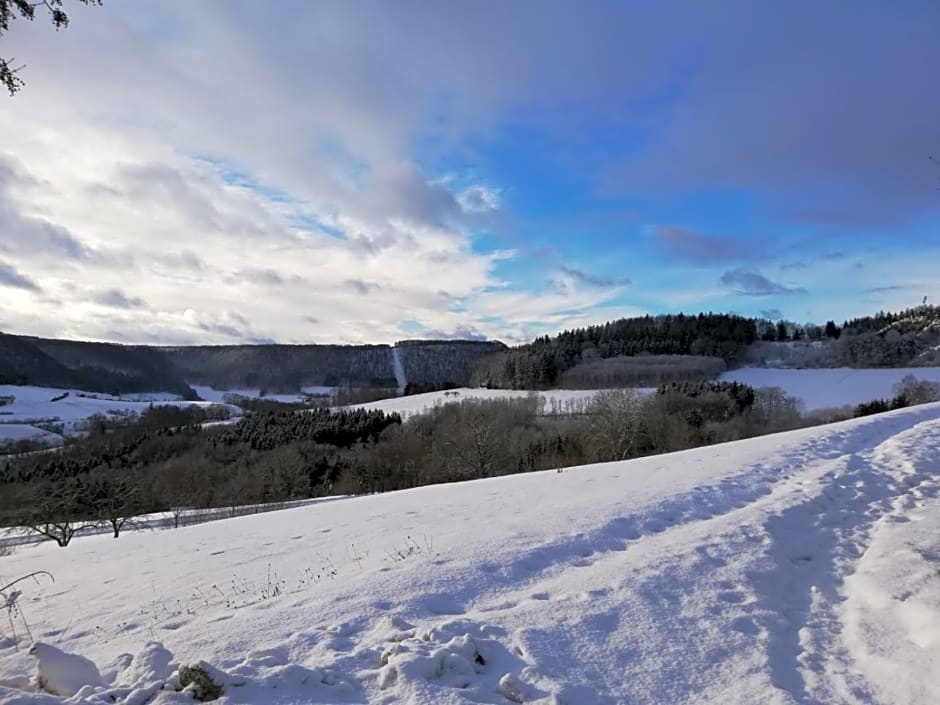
pixel 122 369
pixel 626 352
pixel 541 363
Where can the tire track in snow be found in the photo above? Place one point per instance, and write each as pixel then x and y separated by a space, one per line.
pixel 722 502
pixel 815 545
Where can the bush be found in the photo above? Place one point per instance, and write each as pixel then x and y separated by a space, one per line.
pixel 876 406
pixel 196 679
pixel 917 391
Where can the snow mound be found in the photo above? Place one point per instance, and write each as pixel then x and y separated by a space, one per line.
pixel 63 674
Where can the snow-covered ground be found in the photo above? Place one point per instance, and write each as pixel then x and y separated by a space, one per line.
pixel 557 400
pixel 15 432
pixel 795 568
pixel 70 408
pixel 400 378
pixel 833 387
pixel 219 395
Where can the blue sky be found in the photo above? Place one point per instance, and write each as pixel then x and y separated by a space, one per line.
pixel 364 172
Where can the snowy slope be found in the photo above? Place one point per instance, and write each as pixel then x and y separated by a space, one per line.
pixel 795 568
pixel 821 388
pixel 561 400
pixel 13 432
pixel 219 395
pixel 34 405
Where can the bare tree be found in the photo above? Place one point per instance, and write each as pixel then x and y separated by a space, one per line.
pixel 615 423
pixel 113 500
pixel 471 439
pixel 54 512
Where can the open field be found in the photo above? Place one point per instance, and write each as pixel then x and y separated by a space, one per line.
pixel 833 387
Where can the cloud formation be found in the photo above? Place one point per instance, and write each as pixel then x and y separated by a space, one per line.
pixel 696 248
pixel 583 277
pixel 115 298
pixel 365 164
pixel 752 283
pixel 11 277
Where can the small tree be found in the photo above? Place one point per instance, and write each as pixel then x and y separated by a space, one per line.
pixel 55 512
pixel 917 391
pixel 615 423
pixel 113 501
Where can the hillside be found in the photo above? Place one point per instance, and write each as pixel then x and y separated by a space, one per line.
pixel 641 351
pixel 794 568
pixel 122 369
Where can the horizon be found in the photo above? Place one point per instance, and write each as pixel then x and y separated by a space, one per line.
pixel 221 174
pixel 840 324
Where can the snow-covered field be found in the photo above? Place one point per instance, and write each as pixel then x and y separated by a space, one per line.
pixel 69 408
pixel 219 395
pixel 558 400
pixel 795 568
pixel 821 388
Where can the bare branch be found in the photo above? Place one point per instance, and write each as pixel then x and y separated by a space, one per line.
pixel 34 574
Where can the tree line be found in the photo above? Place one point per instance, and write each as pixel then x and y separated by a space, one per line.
pixel 540 364
pixel 158 465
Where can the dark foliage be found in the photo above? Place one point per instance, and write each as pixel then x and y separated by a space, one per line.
pixel 539 364
pixel 742 395
pixel 425 387
pixel 266 431
pixel 121 369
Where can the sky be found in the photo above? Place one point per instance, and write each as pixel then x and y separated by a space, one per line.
pixel 179 172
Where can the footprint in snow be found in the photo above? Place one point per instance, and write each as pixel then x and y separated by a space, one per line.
pixel 745 625
pixel 443 605
pixel 733 596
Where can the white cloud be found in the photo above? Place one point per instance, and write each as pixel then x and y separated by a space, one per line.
pixel 479 199
pixel 219 176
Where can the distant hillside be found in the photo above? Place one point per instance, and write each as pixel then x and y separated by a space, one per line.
pixel 122 369
pixel 541 363
pixel 601 355
pixel 283 368
pixel 433 362
pixel 910 337
pixel 95 367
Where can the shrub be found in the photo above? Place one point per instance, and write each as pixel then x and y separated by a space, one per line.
pixel 876 406
pixel 196 679
pixel 917 391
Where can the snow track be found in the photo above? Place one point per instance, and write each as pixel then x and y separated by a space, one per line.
pixel 800 568
pixel 399 369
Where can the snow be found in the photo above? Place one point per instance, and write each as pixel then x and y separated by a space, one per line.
pixel 833 387
pixel 35 406
pixel 400 378
pixel 218 395
pixel 794 568
pixel 64 674
pixel 559 400
pixel 13 432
